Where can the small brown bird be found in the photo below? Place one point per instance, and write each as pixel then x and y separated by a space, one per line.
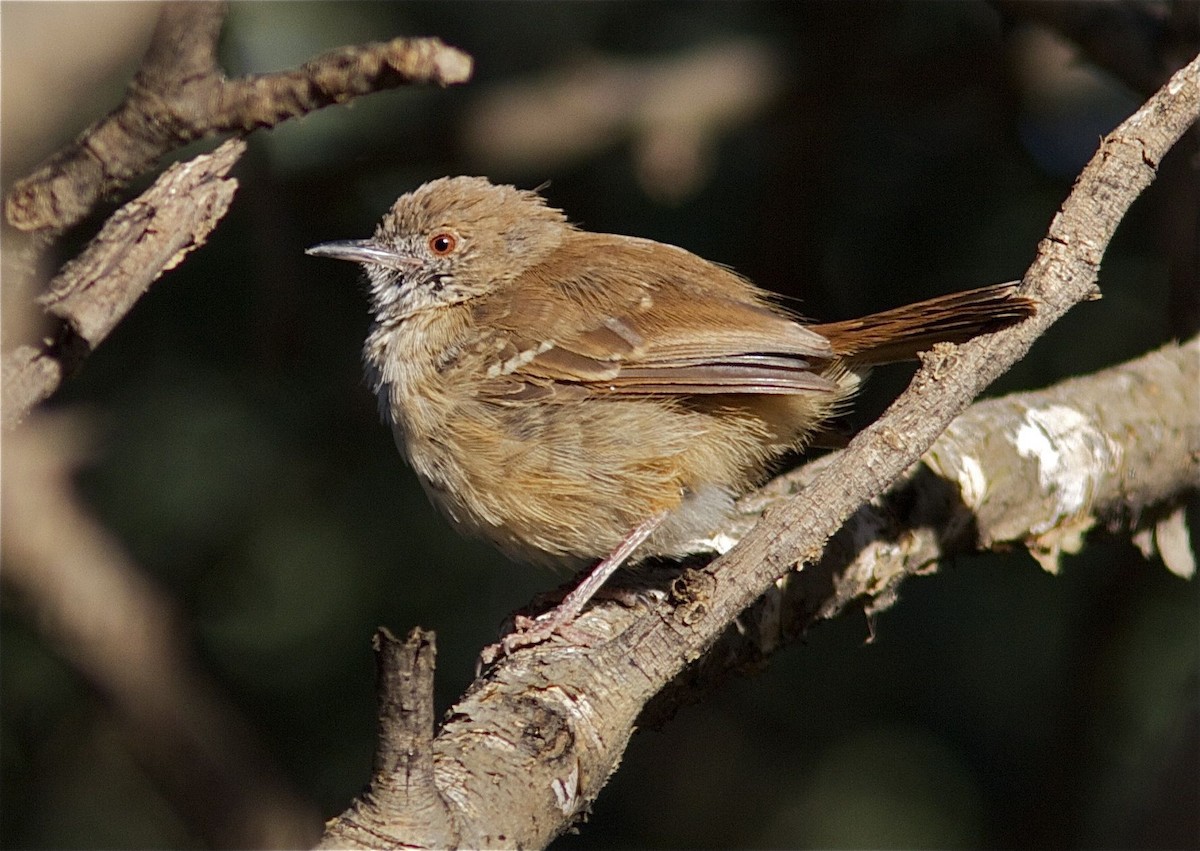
pixel 570 395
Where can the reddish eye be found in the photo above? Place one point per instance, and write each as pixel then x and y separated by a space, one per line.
pixel 443 243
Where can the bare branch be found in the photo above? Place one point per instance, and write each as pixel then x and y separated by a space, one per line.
pixel 403 779
pixel 265 100
pixel 93 292
pixel 180 94
pixel 532 743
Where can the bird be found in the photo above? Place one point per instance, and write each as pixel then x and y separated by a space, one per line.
pixel 576 397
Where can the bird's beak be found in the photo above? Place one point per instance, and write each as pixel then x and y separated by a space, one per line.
pixel 364 251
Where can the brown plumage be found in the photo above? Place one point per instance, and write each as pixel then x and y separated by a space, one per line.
pixel 568 395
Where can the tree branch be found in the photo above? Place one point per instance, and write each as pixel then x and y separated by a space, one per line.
pixel 403 777
pixel 533 742
pixel 179 94
pixel 1128 454
pixel 93 292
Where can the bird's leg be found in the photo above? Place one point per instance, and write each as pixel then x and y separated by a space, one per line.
pixel 530 631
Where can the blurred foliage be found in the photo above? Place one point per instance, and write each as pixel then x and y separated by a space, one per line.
pixel 242 464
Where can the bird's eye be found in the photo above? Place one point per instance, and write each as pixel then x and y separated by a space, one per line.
pixel 443 243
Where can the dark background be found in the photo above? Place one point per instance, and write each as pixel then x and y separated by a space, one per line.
pixel 906 149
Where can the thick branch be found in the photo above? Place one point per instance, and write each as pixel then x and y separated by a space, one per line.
pixel 551 722
pixel 1119 449
pixel 179 95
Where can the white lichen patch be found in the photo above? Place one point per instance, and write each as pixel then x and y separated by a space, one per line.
pixel 1070 452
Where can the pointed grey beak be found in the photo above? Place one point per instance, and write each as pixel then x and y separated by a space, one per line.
pixel 362 251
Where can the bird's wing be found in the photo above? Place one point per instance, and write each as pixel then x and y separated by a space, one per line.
pixel 630 317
